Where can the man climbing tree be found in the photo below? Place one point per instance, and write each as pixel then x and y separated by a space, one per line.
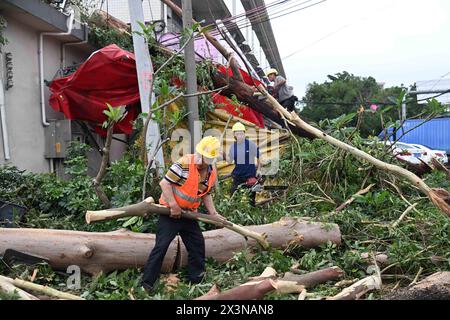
pixel 281 91
pixel 186 185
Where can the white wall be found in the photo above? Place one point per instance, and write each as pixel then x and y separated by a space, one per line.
pixel 22 102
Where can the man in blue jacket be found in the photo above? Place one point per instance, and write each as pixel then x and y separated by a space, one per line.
pixel 245 155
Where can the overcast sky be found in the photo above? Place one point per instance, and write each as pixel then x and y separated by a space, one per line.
pixel 395 41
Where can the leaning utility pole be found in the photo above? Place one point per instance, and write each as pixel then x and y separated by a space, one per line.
pixel 191 77
pixel 144 70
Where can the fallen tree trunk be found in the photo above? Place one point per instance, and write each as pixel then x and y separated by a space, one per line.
pixel 222 244
pixel 312 279
pixel 148 207
pixel 94 252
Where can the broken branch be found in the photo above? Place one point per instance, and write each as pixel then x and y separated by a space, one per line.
pixel 148 207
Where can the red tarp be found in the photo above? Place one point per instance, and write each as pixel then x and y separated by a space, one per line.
pixel 241 111
pixel 109 76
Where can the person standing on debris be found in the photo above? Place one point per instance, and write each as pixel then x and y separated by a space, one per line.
pixel 186 185
pixel 281 91
pixel 243 153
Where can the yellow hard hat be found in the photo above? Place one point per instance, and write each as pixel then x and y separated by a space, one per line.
pixel 270 71
pixel 238 127
pixel 208 147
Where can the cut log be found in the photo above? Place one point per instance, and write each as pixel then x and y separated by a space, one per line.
pixel 255 289
pixel 94 252
pixel 148 207
pixel 244 292
pixel 359 288
pixel 7 286
pixel 314 278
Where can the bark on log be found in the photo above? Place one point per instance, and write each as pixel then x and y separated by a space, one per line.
pixel 222 244
pixel 437 279
pixel 255 289
pixel 314 278
pixel 359 289
pixel 247 292
pixel 94 252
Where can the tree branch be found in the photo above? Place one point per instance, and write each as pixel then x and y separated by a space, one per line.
pixel 103 166
pixel 148 207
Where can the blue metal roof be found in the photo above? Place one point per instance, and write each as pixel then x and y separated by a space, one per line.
pixel 434 134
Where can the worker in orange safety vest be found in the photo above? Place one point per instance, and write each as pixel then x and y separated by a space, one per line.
pixel 186 185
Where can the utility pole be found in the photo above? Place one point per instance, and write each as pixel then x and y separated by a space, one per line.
pixel 144 69
pixel 191 77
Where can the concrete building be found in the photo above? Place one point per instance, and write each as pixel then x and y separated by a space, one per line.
pixel 26 22
pixel 38 39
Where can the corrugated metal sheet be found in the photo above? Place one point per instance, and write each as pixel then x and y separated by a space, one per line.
pixel 434 134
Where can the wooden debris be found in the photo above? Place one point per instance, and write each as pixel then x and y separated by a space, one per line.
pixel 314 278
pixel 26 285
pixel 7 286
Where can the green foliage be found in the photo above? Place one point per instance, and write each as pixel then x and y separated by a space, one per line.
pixel 344 94
pixel 102 37
pixel 114 114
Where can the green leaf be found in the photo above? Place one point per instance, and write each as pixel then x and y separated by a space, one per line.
pixel 207 28
pixel 130 221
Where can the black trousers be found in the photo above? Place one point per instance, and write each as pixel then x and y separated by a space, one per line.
pixel 167 229
pixel 241 182
pixel 289 103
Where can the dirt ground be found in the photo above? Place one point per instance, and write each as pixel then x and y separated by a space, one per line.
pixel 436 292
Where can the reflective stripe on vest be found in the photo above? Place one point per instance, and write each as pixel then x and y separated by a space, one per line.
pixel 183 196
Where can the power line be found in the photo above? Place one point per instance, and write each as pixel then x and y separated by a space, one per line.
pixel 268 18
pixel 437 82
pixel 434 97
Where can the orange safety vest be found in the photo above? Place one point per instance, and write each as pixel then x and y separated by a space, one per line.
pixel 187 195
